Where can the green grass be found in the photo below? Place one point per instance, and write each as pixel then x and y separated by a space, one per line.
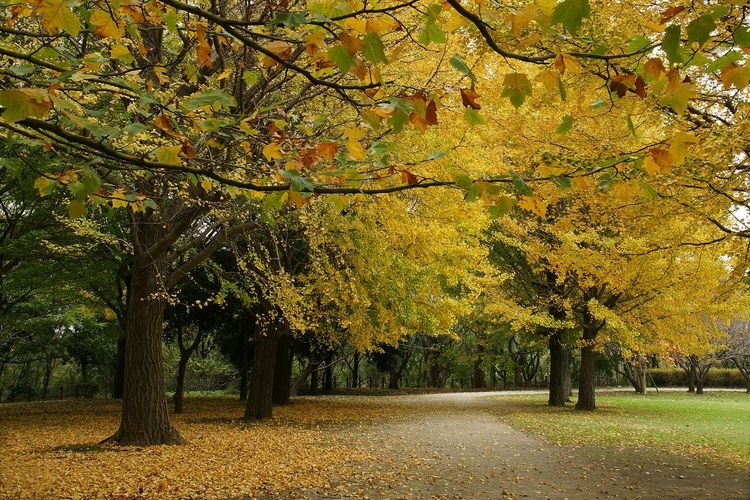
pixel 714 426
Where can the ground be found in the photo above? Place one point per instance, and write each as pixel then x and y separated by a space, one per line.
pixel 416 446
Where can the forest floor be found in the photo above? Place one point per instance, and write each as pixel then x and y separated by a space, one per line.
pixel 456 445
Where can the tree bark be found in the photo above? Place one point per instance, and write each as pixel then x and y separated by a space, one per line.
pixel 118 389
pixel 180 389
pixel 314 379
pixel 260 399
pixel 559 374
pixel 246 363
pixel 586 381
pixel 145 418
pixel 328 373
pixel 355 371
pixel 282 378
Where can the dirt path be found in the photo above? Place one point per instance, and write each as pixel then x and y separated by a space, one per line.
pixel 453 448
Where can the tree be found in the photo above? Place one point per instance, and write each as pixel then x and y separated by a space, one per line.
pixel 184 96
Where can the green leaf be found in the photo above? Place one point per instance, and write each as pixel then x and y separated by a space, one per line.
pixel 464 182
pixel 460 66
pixel 19 105
pixel 135 128
pixel 730 57
pixel 699 30
pixel 562 182
pixel 502 206
pixel 516 88
pixel 398 120
pixel 565 125
pixel 671 43
pixel 435 155
pixel 649 190
pixel 99 131
pixel 742 36
pixel 719 11
pixel 472 117
pixel 373 49
pixel 520 184
pixel 274 201
pixel 341 56
pixel 290 19
pixel 250 77
pixel 298 183
pixel 637 43
pixel 631 127
pixel 571 13
pixel 210 98
pixel 431 33
pixel 22 69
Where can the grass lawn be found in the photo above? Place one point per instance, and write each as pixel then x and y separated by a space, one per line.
pixel 714 426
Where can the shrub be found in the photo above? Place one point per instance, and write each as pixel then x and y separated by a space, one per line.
pixel 716 377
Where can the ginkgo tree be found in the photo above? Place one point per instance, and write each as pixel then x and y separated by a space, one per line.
pixel 168 108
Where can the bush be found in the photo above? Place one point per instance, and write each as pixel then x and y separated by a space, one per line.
pixel 716 377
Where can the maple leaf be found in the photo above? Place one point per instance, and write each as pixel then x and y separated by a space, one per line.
pixel 22 103
pixel 669 13
pixel 571 14
pixel 328 150
pixel 169 155
pixel 409 178
pixel 516 87
pixel 272 151
pixel 469 97
pixel 106 26
pixel 204 48
pixel 736 75
pixel 654 67
pixel 356 150
pixel 57 16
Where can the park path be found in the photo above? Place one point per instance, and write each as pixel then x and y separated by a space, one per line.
pixel 454 448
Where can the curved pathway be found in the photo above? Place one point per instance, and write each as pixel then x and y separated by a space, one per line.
pixel 454 448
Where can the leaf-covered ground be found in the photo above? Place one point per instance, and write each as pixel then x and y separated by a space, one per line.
pixel 414 446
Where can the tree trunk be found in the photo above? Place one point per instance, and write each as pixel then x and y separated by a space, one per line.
pixel 297 385
pixel 118 389
pixel 180 389
pixel 355 371
pixel 586 382
pixel 691 376
pixel 282 377
pixel 145 418
pixel 328 373
pixel 314 379
pixel 245 368
pixel 477 377
pixel 559 375
pixel 260 399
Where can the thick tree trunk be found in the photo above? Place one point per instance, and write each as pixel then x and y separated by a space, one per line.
pixel 586 380
pixel 355 371
pixel 118 389
pixel 691 376
pixel 260 399
pixel 282 377
pixel 145 418
pixel 559 375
